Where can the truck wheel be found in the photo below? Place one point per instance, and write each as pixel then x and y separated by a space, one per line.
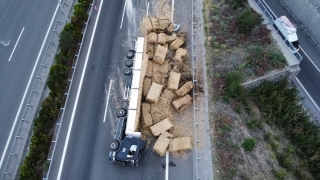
pixel 121 112
pixel 130 54
pixel 114 145
pixel 128 63
pixel 127 71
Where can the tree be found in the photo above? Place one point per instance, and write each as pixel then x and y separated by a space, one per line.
pixel 67 41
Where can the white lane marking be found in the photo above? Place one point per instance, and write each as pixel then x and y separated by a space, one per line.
pixel 147 9
pixel 124 8
pixel 310 59
pixel 172 11
pixel 25 92
pixel 167 165
pixel 308 94
pixel 107 103
pixel 16 44
pixel 77 97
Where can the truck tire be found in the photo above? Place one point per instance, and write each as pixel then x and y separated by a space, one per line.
pixel 121 112
pixel 127 71
pixel 130 54
pixel 114 145
pixel 128 63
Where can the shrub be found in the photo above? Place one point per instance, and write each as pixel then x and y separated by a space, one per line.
pixel 279 175
pixel 234 89
pixel 57 79
pixel 246 22
pixel 236 3
pixel 249 144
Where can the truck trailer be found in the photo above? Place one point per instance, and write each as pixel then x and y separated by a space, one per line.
pixel 127 147
pixel 287 32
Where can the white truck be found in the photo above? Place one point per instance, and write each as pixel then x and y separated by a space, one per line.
pixel 287 32
pixel 127 147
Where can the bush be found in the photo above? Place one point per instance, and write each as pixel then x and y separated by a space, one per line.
pixel 249 144
pixel 236 3
pixel 234 89
pixel 279 175
pixel 246 22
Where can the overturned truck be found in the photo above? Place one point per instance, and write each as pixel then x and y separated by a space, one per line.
pixel 127 146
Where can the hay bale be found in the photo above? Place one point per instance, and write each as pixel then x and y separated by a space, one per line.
pixel 162 109
pixel 155 23
pixel 164 22
pixel 180 144
pixel 149 69
pixel 166 45
pixel 182 103
pixel 162 69
pixel 166 134
pixel 146 26
pixel 146 86
pixel 180 53
pixel 146 116
pixel 171 38
pixel 150 51
pixel 176 43
pixel 160 127
pixel 161 145
pixel 173 82
pixel 162 38
pixel 160 54
pixel 152 38
pixel 154 92
pixel 184 89
pixel 158 78
pixel 171 27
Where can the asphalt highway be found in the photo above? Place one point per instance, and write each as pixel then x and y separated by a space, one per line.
pixel 309 74
pixel 23 25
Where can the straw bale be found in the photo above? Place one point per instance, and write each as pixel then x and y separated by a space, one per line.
pixel 166 45
pixel 152 38
pixel 161 126
pixel 184 89
pixel 158 78
pixel 176 43
pixel 180 53
pixel 164 22
pixel 146 116
pixel 171 38
pixel 171 27
pixel 146 26
pixel 150 51
pixel 155 23
pixel 161 145
pixel 149 69
pixel 180 143
pixel 154 92
pixel 160 54
pixel 167 96
pixel 162 38
pixel 166 134
pixel 182 103
pixel 162 109
pixel 173 82
pixel 146 86
pixel 162 69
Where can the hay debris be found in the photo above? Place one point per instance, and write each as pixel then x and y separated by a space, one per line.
pixel 180 144
pixel 146 26
pixel 155 23
pixel 150 51
pixel 171 38
pixel 146 86
pixel 184 89
pixel 166 134
pixel 160 127
pixel 162 109
pixel 163 22
pixel 182 103
pixel 146 116
pixel 173 82
pixel 158 78
pixel 149 69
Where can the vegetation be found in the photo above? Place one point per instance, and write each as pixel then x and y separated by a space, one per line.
pixel 247 21
pixel 35 162
pixel 249 144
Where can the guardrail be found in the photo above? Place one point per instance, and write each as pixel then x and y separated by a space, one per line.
pixel 16 149
pixel 66 98
pixel 270 17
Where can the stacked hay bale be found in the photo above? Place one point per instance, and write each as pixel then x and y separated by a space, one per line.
pixel 161 89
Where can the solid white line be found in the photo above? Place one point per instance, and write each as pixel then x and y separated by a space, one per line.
pixel 308 94
pixel 124 8
pixel 172 11
pixel 147 9
pixel 310 59
pixel 16 44
pixel 107 103
pixel 77 97
pixel 25 92
pixel 167 165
